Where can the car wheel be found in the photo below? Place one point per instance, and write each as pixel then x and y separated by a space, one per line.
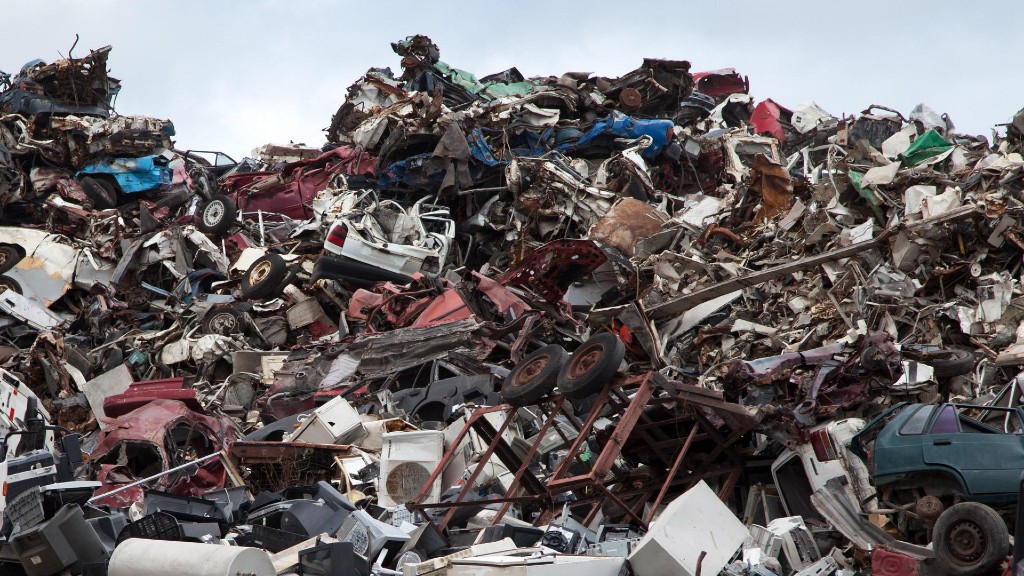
pixel 265 277
pixel 101 191
pixel 217 215
pixel 591 366
pixel 8 283
pixel 173 201
pixel 970 538
pixel 224 320
pixel 9 256
pixel 951 362
pixel 535 376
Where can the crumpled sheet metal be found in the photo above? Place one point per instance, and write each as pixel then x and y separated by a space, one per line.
pixel 131 440
pixel 406 347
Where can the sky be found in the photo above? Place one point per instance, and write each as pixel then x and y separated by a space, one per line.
pixel 233 75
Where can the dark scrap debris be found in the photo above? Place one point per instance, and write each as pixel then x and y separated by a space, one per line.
pixel 647 323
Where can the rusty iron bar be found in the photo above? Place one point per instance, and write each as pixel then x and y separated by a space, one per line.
pixel 730 483
pixel 613 448
pixel 574 447
pixel 496 446
pixel 672 472
pixel 491 449
pixel 514 485
pixel 448 456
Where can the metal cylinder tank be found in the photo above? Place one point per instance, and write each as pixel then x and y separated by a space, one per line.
pixel 139 557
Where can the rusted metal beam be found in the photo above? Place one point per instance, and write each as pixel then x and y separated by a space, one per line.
pixel 494 439
pixel 613 448
pixel 683 303
pixel 672 472
pixel 514 485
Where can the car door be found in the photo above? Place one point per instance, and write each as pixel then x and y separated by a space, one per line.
pixel 286 194
pixel 989 460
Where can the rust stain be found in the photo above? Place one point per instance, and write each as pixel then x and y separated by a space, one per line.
pixel 31 263
pixel 628 222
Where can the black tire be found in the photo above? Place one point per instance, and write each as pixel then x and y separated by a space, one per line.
pixel 9 256
pixel 951 362
pixel 265 278
pixel 591 366
pixel 224 320
pixel 8 283
pixel 291 278
pixel 330 267
pixel 174 201
pixel 218 215
pixel 101 191
pixel 535 376
pixel 970 538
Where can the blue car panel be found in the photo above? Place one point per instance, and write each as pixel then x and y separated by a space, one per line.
pixel 618 125
pixel 133 175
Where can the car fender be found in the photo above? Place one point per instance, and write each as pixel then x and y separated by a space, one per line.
pixel 893 480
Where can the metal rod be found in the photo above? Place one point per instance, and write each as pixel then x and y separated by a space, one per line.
pixel 155 476
pixel 492 445
pixel 672 472
pixel 514 486
pixel 478 190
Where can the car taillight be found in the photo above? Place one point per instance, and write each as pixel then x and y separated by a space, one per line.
pixel 824 449
pixel 337 235
pixel 871 461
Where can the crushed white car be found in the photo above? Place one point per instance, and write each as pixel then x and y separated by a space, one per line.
pixel 43 266
pixel 369 240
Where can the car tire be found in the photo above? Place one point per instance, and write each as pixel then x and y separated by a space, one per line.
pixel 101 191
pixel 970 538
pixel 9 257
pixel 224 320
pixel 535 376
pixel 173 201
pixel 347 270
pixel 951 362
pixel 591 366
pixel 8 283
pixel 218 215
pixel 265 278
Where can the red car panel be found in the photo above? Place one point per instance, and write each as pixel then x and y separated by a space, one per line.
pixel 288 192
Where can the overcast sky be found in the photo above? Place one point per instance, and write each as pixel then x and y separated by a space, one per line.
pixel 235 75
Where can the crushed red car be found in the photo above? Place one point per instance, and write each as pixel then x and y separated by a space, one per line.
pixel 286 192
pixel 157 437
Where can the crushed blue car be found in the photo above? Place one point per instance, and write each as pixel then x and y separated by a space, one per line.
pixel 599 136
pixel 134 175
pixel 618 125
pixel 420 173
pixel 103 181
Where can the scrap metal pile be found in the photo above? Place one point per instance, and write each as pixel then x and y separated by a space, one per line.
pixel 643 323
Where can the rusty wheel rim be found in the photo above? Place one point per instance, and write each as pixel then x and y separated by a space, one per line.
pixel 260 273
pixel 223 323
pixel 584 360
pixel 6 285
pixel 530 370
pixel 5 257
pixel 966 541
